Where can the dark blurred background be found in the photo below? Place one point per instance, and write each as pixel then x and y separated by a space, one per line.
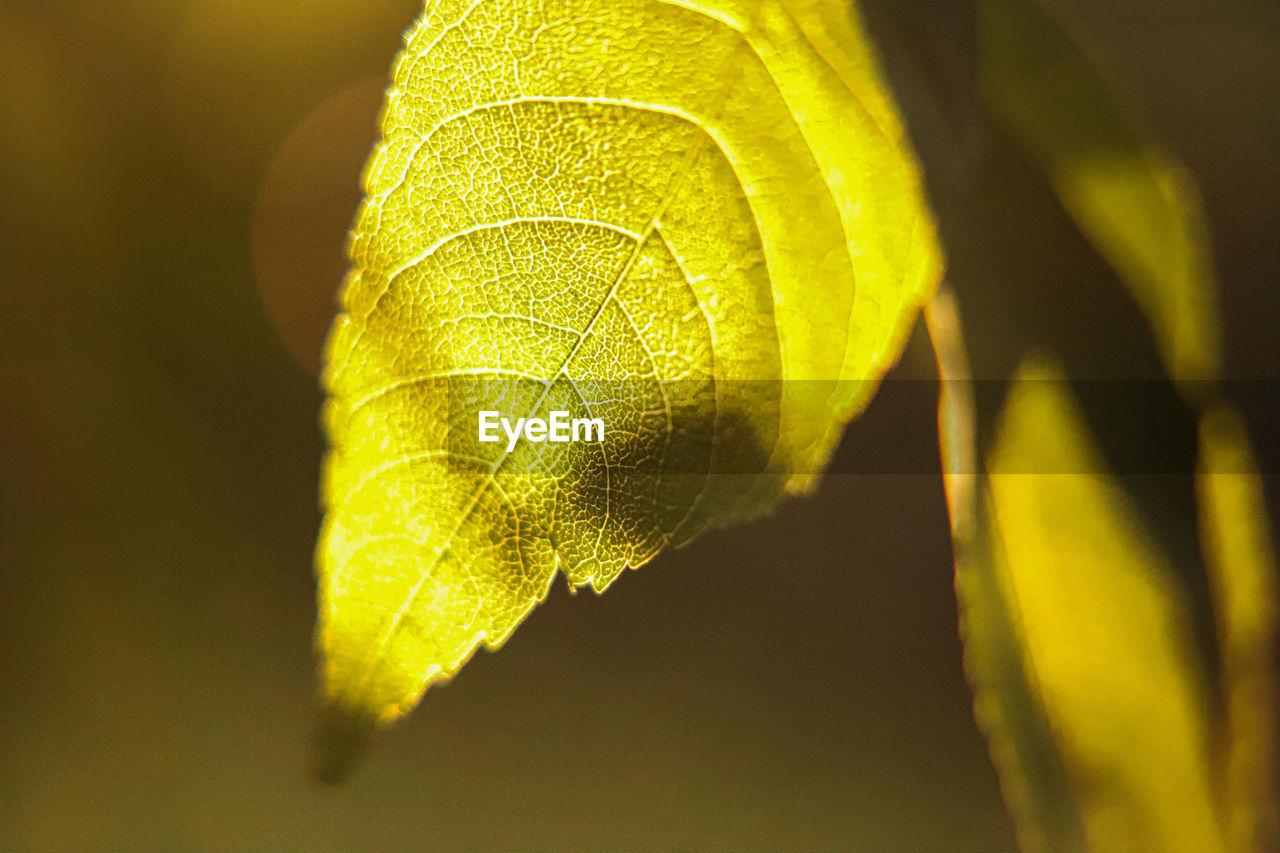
pixel 176 180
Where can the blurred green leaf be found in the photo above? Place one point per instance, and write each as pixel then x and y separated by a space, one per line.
pixel 1129 195
pixel 1241 563
pixel 1006 706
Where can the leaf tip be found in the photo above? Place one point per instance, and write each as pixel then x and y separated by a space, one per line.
pixel 342 737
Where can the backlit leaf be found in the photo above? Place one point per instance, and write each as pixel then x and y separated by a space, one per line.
pixel 698 222
pixel 1106 730
pixel 1129 195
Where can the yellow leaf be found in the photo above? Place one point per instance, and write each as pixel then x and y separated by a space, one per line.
pixel 660 214
pixel 1130 196
pixel 1103 627
pixel 1241 564
pixel 1075 631
pixel 1005 704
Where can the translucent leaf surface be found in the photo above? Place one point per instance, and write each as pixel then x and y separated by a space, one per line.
pixel 679 218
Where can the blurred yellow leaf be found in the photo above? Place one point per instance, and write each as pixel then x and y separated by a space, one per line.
pixel 1005 704
pixel 652 213
pixel 1106 654
pixel 1241 564
pixel 1132 198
